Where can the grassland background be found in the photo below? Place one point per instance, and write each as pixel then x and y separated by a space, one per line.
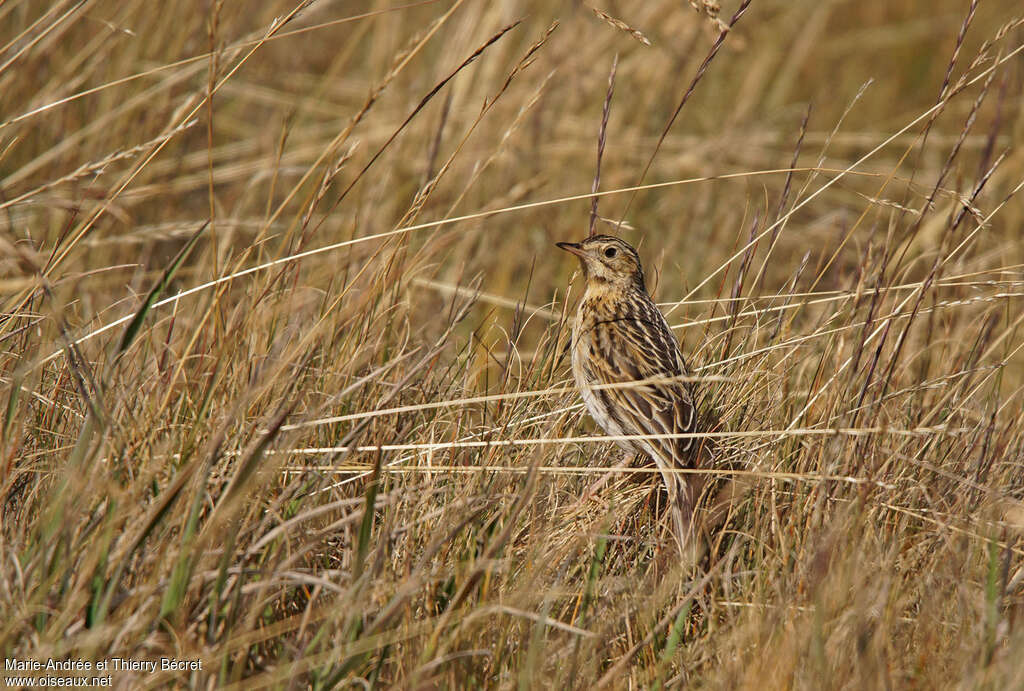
pixel 217 483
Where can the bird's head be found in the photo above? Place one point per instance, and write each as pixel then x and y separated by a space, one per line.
pixel 607 259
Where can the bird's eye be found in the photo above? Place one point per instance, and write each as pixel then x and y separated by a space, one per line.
pixel 610 252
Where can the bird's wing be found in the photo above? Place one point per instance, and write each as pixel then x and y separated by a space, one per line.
pixel 638 347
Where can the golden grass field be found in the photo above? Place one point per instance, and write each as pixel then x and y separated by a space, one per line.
pixel 284 386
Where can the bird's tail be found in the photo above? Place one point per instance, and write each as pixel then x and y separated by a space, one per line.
pixel 683 492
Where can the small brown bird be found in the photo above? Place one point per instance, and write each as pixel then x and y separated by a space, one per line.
pixel 620 337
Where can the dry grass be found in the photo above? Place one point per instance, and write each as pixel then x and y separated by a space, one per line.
pixel 329 439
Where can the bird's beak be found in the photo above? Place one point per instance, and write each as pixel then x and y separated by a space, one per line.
pixel 572 247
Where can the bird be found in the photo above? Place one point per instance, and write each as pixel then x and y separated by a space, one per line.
pixel 619 337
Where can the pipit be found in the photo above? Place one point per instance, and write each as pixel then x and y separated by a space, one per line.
pixel 631 373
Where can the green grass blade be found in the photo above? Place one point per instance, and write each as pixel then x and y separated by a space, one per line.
pixel 154 294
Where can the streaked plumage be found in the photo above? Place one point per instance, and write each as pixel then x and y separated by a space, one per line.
pixel 620 336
